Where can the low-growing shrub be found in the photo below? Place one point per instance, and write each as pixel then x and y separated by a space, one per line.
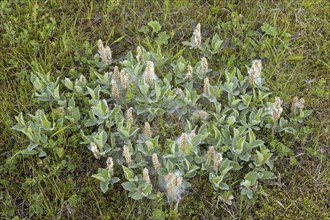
pixel 159 121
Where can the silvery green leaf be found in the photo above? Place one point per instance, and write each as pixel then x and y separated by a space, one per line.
pixel 306 113
pixel 129 186
pixel 157 90
pixel 199 159
pixel 32 146
pixel 76 114
pixel 97 110
pixel 147 189
pixel 27 152
pixel 270 163
pixel 91 92
pixel 56 93
pixel 114 180
pixel 68 83
pixel 126 63
pixel 72 103
pixel 180 102
pixel 237 133
pixel 260 158
pixel 129 174
pixel 90 122
pixel 246 183
pixel 267 175
pixel 240 143
pixel 256 143
pixel 144 89
pixel 44 121
pixel 216 42
pixel 190 174
pixel 181 66
pixel 169 166
pixel 124 132
pixel 225 132
pixel 42 153
pixel 252 177
pixel 236 165
pixel 79 89
pixel 196 140
pixel 97 92
pixel 104 136
pixel 225 166
pixel 249 193
pixel 252 136
pixel 217 180
pixel 231 120
pixel 245 157
pixel 235 102
pixel 99 177
pixel 151 196
pixel 104 186
pixel 137 195
pixel 223 186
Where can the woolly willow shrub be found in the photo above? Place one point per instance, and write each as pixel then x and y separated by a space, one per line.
pixel 156 122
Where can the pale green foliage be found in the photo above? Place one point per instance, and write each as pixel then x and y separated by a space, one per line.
pixel 230 116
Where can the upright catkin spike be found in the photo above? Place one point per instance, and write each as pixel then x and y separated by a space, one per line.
pixel 150 73
pixel 255 72
pixel 100 47
pixel 82 79
pixel 116 73
pixel 198 36
pixel 217 161
pixel 294 102
pixel 61 109
pixel 301 104
pixel 147 130
pixel 177 180
pixel 127 154
pixel 206 86
pixel 192 134
pixel 277 109
pixel 123 79
pixel 169 185
pixel 297 105
pixel 190 72
pixel 106 55
pixel 139 54
pixel 95 150
pixel 210 152
pixel 169 189
pixel 146 175
pixel 257 65
pixel 205 65
pixel 173 187
pixel 168 177
pixel 129 116
pixel 184 141
pixel 155 162
pixel 110 165
pixel 114 89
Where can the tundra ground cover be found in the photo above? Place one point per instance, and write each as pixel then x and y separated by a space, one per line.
pixel 291 39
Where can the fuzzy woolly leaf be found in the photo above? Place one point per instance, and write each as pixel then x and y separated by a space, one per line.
pixel 129 174
pixel 137 196
pixel 129 186
pixel 104 186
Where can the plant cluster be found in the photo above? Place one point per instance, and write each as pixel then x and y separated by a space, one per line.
pixel 157 121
